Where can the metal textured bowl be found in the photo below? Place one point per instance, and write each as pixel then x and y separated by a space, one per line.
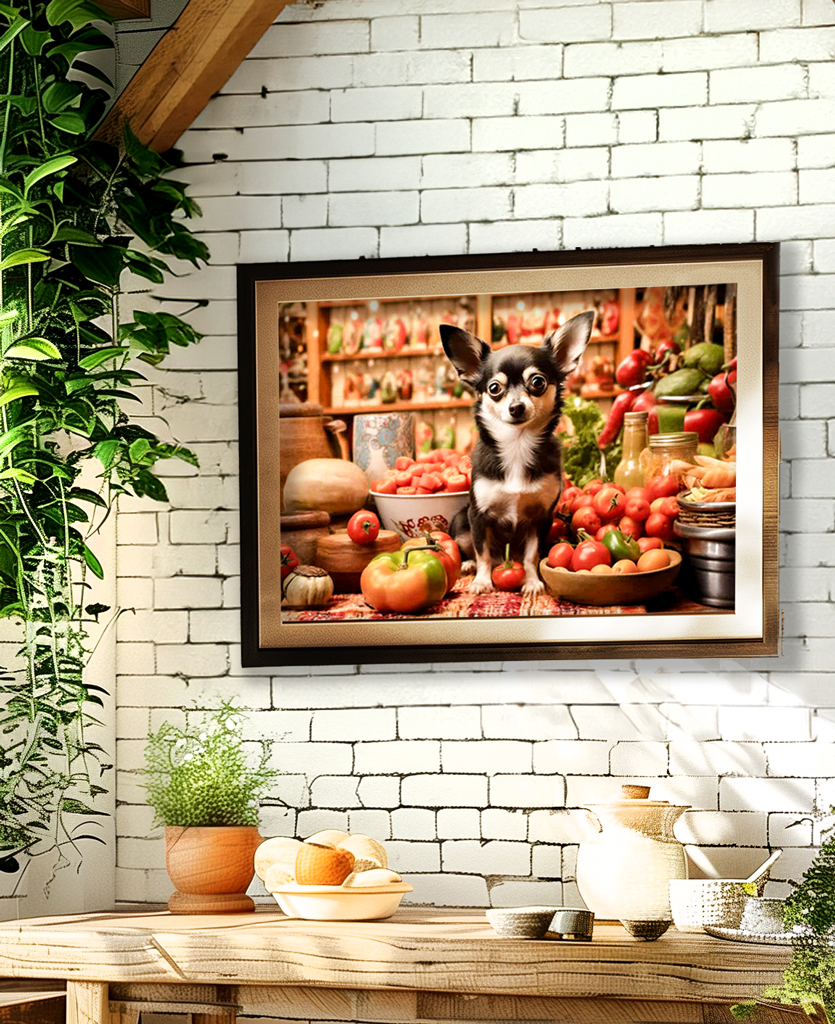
pixel 589 588
pixel 521 922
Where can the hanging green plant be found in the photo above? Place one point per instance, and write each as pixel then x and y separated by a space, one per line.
pixel 76 215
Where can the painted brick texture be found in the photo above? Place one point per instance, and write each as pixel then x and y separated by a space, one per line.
pixel 476 127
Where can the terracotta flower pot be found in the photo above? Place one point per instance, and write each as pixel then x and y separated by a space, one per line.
pixel 211 868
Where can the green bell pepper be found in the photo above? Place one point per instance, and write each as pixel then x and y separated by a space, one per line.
pixel 621 545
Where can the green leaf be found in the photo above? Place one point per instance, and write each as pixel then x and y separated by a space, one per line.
pixel 71 806
pixel 105 452
pixel 34 41
pixel 9 316
pixel 22 256
pixel 101 356
pixel 27 105
pixel 87 39
pixel 72 124
pixel 93 563
pixel 13 30
pixel 103 265
pixel 17 391
pixel 60 95
pixel 50 167
pixel 15 473
pixel 83 494
pixel 139 449
pixel 78 236
pixel 146 161
pixel 77 12
pixel 33 348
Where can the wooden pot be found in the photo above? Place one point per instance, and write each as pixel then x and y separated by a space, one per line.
pixel 306 433
pixel 344 560
pixel 211 867
pixel 302 530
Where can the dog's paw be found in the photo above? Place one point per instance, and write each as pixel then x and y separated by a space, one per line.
pixel 533 586
pixel 468 567
pixel 481 585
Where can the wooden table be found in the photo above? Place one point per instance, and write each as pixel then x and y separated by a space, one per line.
pixel 430 965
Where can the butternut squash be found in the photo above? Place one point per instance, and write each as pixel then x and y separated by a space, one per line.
pixel 327 485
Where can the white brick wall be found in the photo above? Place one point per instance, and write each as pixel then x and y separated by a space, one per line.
pixel 468 126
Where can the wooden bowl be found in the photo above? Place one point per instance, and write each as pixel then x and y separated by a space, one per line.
pixel 588 588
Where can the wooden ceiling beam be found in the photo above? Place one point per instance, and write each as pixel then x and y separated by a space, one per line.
pixel 193 60
pixel 121 10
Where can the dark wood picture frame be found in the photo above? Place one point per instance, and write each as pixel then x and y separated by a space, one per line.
pixel 751 629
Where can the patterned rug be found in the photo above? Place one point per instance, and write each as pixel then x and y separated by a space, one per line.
pixel 459 604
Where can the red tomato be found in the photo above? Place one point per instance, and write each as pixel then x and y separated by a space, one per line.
pixel 508 575
pixel 289 560
pixel 570 493
pixel 593 486
pixel 670 507
pixel 444 548
pixel 630 526
pixel 588 554
pixel 609 503
pixel 458 482
pixel 663 486
pixel 560 555
pixel 559 529
pixel 587 519
pixel 580 502
pixel 403 462
pixel 363 527
pixel 601 533
pixel 637 492
pixel 659 525
pixel 655 505
pixel 649 543
pixel 637 509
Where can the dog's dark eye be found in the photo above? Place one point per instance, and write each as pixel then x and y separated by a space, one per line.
pixel 537 384
pixel 495 389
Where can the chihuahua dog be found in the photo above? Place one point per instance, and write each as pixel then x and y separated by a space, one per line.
pixel 517 462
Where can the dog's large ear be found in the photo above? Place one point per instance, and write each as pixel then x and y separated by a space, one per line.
pixel 466 352
pixel 568 344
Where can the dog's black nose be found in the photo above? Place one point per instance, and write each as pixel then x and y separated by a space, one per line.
pixel 517 410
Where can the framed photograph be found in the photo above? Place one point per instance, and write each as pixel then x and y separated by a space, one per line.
pixel 596 431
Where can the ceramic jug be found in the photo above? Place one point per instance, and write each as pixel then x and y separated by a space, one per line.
pixel 627 858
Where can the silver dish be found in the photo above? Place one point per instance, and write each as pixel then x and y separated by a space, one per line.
pixel 738 935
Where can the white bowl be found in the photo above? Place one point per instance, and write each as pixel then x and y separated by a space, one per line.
pixel 413 514
pixel 336 903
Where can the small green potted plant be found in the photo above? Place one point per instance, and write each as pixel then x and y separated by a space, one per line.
pixel 206 791
pixel 809 979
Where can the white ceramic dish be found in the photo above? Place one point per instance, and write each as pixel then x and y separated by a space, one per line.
pixel 413 514
pixel 337 903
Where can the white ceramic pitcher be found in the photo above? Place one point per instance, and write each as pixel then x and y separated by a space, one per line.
pixel 627 858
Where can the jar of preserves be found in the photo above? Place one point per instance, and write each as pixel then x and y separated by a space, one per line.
pixel 629 472
pixel 663 470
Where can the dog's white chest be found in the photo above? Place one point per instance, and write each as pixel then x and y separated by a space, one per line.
pixel 516 499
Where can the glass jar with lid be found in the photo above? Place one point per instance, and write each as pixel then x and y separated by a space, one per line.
pixel 629 471
pixel 666 453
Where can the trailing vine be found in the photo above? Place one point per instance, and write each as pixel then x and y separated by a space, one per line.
pixel 76 214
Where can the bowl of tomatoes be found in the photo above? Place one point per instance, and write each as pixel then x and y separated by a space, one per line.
pixel 423 494
pixel 592 585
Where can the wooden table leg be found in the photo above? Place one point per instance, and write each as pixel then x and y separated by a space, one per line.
pixel 88 1002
